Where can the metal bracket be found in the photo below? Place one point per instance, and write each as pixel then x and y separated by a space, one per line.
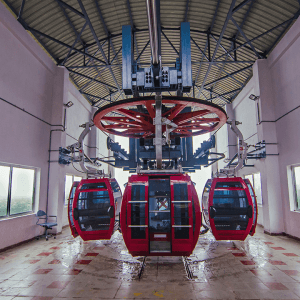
pixel 242 150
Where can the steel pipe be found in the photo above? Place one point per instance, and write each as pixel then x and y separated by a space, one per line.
pixel 153 30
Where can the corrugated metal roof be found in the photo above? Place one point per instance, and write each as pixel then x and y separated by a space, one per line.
pixel 56 24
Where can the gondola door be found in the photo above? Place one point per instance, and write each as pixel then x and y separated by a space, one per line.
pixel 159 215
pixel 181 213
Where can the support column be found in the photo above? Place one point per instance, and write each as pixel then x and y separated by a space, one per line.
pixel 56 177
pixel 271 187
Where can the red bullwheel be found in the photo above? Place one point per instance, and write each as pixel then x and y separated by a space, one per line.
pixel 134 117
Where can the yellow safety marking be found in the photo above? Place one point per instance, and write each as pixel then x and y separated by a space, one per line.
pixel 137 294
pixel 159 294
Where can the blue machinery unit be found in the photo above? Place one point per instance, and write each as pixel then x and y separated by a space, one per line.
pixel 157 78
pixel 141 155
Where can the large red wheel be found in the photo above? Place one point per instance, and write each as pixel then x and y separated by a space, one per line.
pixel 134 117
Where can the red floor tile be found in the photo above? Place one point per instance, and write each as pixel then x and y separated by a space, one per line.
pixel 291 272
pixel 45 254
pixel 42 271
pixel 33 261
pixel 83 262
pixel 260 273
pixel 276 262
pixel 290 254
pixel 58 284
pixel 55 262
pixel 55 248
pixel 248 262
pixel 277 248
pixel 74 272
pixel 99 248
pixel 92 254
pixel 41 298
pixel 239 254
pixel 275 286
pixel 268 243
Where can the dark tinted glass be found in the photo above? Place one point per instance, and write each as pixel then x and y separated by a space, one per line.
pixel 138 212
pixel 181 211
pixel 93 186
pixel 93 210
pixel 230 184
pixel 71 203
pixel 231 209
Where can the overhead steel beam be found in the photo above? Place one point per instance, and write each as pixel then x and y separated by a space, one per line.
pixel 90 66
pixel 229 14
pixel 284 30
pixel 218 96
pixel 75 42
pixel 108 35
pixel 21 9
pixel 228 54
pixel 241 5
pixel 91 78
pixel 224 62
pixel 25 25
pixel 245 37
pixel 225 77
pixel 145 49
pixel 101 98
pixel 187 10
pixel 70 8
pixel 63 44
pixel 206 45
pixel 170 43
pixel 97 42
pixel 289 21
pixel 200 48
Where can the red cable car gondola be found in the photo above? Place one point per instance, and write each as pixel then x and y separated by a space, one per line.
pixel 70 211
pixel 160 215
pixel 96 205
pixel 228 208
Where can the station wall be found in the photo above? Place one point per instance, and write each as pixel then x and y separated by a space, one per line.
pixel 273 118
pixel 32 91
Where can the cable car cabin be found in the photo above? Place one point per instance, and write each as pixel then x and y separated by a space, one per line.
pixel 160 215
pixel 70 211
pixel 96 206
pixel 228 208
pixel 254 201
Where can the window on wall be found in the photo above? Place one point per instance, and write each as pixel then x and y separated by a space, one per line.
pixel 256 183
pixel 16 190
pixel 68 184
pixel 296 184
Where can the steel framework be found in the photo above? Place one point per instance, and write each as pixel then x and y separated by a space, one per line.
pixel 221 62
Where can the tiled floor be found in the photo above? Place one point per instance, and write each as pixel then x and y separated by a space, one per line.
pixel 262 267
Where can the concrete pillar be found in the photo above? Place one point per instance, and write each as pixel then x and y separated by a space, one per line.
pixel 56 179
pixel 266 129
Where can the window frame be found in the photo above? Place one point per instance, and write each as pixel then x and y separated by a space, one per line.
pixel 296 205
pixel 252 181
pixel 67 193
pixel 9 193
